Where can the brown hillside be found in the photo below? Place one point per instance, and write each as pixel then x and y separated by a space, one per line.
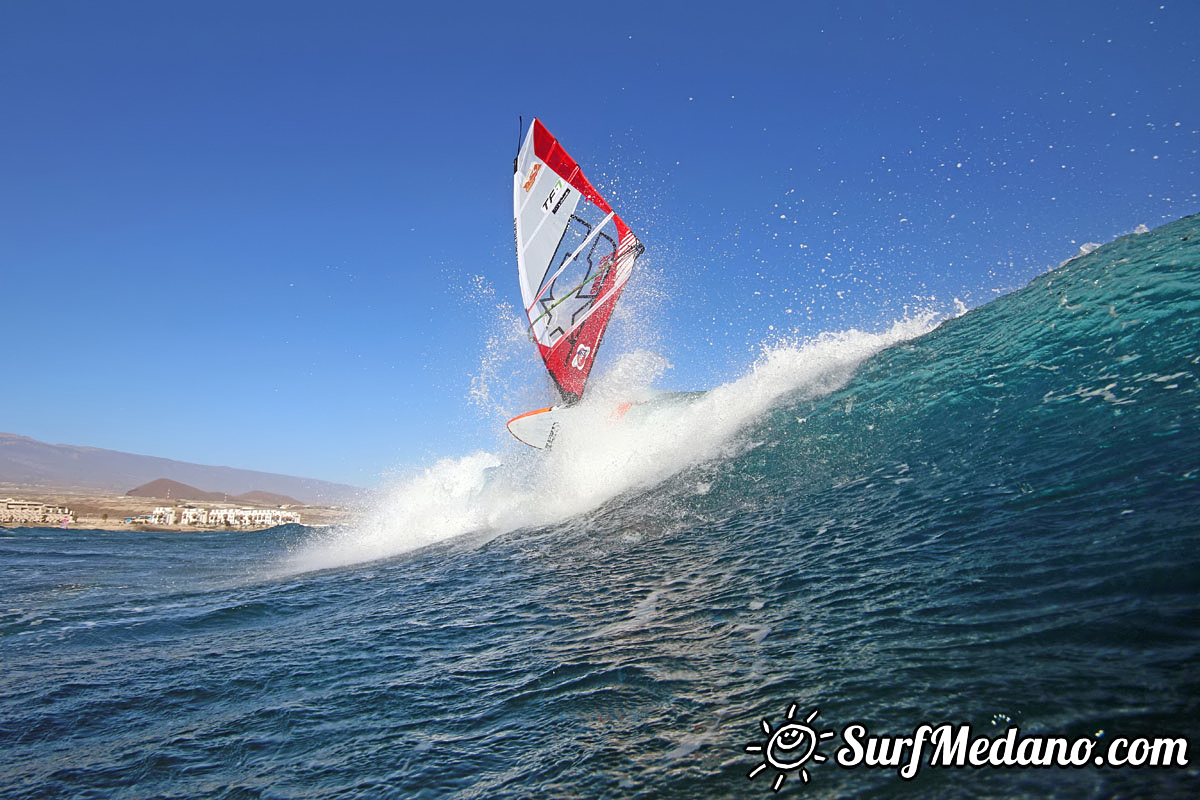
pixel 267 499
pixel 168 489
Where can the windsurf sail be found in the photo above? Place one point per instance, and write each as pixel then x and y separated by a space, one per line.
pixel 574 256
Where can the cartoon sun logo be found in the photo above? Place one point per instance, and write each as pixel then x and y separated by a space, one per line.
pixel 789 747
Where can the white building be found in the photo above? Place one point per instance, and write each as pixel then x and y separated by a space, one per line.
pixel 194 516
pixel 238 517
pixel 27 511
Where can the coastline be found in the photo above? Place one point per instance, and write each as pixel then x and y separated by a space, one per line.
pixel 95 510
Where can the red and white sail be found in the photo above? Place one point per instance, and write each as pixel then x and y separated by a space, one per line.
pixel 574 256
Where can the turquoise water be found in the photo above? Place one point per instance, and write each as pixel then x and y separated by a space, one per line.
pixel 996 523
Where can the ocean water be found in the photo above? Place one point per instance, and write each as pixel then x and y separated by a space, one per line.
pixel 993 521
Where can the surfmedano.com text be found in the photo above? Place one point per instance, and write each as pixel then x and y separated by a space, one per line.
pixel 954 746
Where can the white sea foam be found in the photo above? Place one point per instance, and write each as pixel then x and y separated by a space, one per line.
pixel 595 457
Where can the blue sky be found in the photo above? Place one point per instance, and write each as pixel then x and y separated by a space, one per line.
pixel 254 233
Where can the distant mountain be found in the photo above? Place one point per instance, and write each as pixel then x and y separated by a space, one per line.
pixel 167 489
pixel 28 462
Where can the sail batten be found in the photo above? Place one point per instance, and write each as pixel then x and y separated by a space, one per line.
pixel 574 257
